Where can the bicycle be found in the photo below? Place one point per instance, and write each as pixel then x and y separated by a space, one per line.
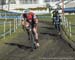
pixel 32 37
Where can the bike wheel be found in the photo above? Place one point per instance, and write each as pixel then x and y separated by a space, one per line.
pixel 32 39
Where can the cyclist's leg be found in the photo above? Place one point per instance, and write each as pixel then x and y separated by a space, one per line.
pixel 27 29
pixel 23 25
pixel 36 36
pixel 58 29
pixel 54 20
pixel 56 23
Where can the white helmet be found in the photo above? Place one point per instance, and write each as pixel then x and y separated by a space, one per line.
pixel 55 7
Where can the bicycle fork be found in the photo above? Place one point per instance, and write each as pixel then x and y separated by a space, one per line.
pixel 32 38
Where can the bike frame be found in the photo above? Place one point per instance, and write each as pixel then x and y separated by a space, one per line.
pixel 32 37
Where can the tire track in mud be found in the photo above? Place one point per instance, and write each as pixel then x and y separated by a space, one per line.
pixel 51 45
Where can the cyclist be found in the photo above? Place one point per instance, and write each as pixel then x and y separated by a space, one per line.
pixel 56 19
pixel 27 17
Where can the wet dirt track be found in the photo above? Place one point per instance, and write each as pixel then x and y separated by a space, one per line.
pixel 52 47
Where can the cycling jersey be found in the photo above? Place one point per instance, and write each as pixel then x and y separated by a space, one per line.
pixel 29 16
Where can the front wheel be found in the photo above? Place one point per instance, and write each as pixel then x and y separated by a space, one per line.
pixel 32 39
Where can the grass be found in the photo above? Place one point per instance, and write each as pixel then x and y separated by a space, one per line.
pixel 7 25
pixel 44 17
pixel 71 18
pixel 9 38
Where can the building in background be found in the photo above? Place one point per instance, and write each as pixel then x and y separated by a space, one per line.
pixel 14 4
pixel 2 2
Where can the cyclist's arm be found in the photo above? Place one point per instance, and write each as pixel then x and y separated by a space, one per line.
pixel 36 22
pixel 36 19
pixel 22 20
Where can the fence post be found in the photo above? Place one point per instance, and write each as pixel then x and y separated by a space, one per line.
pixel 68 26
pixel 4 29
pixel 14 26
pixel 10 27
pixel 16 22
pixel 5 16
pixel 20 19
pixel 63 18
pixel 65 22
pixel 0 14
pixel 70 29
